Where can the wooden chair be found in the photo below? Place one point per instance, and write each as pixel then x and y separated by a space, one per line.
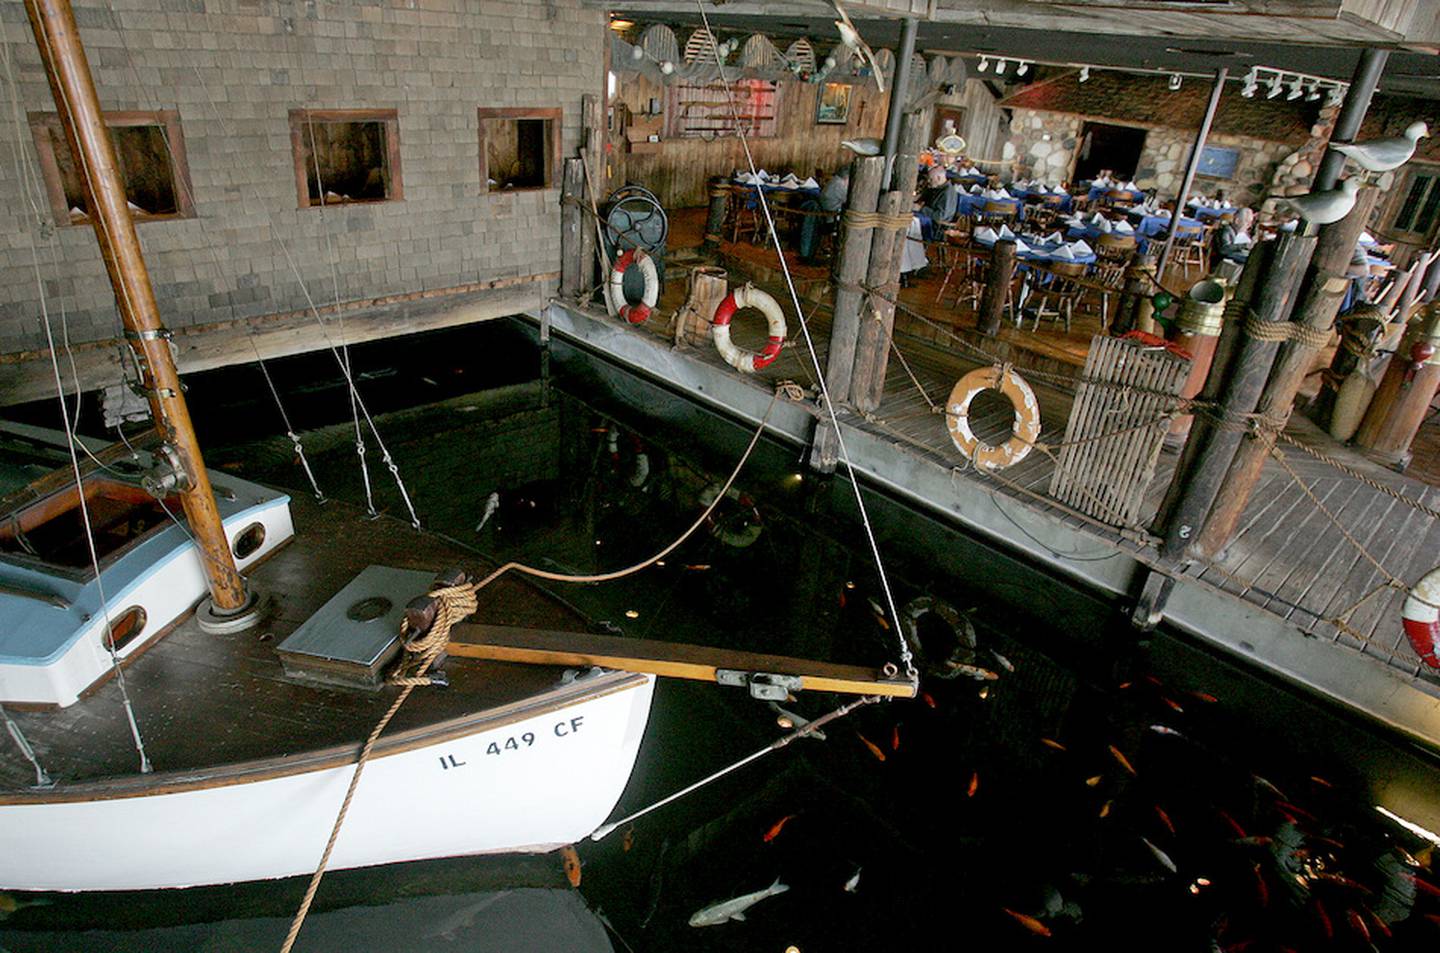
pixel 744 214
pixel 1192 247
pixel 1113 254
pixel 995 213
pixel 1063 288
pixel 953 254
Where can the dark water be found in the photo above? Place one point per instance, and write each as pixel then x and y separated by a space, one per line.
pixel 1054 799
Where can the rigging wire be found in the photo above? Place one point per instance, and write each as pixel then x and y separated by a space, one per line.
pixel 906 656
pixel 84 507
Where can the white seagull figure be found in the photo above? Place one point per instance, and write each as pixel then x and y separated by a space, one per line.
pixel 1322 208
pixel 1382 155
pixel 851 38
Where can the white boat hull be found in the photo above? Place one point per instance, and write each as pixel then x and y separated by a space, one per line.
pixel 531 784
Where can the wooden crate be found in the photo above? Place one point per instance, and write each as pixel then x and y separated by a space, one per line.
pixel 1114 435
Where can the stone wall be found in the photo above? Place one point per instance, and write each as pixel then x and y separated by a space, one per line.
pixel 1162 165
pixel 234 69
pixel 1041 145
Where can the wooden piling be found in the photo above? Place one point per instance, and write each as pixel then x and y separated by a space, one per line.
pixel 1403 398
pixel 883 275
pixel 997 283
pixel 715 218
pixel 854 259
pixel 591 152
pixel 1133 307
pixel 572 190
pixel 1319 303
pixel 1244 382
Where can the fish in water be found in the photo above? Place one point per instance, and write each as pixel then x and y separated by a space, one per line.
pixel 572 865
pixel 1164 818
pixel 879 613
pixel 735 908
pixel 863 147
pixel 1094 780
pixel 1124 761
pixel 1160 729
pixel 627 840
pixel 1105 808
pixel 1005 663
pixel 974 785
pixel 853 884
pixel 1028 922
pixel 1052 743
pixel 1161 856
pixel 928 699
pixel 972 671
pixel 874 748
pixel 775 829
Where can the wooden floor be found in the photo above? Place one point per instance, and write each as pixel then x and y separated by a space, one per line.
pixel 206 700
pixel 1288 557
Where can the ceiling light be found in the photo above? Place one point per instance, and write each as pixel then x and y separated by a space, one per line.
pixel 1274 87
pixel 984 64
pixel 1294 89
pixel 1174 82
pixel 999 67
pixel 1314 93
pixel 1084 74
pixel 1248 90
pixel 1022 69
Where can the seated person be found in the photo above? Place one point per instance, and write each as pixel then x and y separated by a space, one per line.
pixel 941 198
pixel 1233 239
pixel 814 227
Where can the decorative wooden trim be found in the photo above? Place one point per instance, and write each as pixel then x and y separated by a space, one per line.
pixel 553 116
pixel 389 119
pixel 46 130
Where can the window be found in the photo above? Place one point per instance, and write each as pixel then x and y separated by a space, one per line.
pixel 150 153
pixel 519 148
pixel 346 155
pixel 1417 213
pixel 709 110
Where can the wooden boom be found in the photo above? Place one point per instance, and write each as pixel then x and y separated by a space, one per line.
pixel 698 662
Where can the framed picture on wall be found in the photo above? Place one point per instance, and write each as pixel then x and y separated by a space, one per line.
pixel 832 106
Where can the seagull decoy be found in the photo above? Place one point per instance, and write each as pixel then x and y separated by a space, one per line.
pixel 1322 208
pixel 1382 155
pixel 863 147
pixel 852 40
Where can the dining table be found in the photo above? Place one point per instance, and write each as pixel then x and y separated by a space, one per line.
pixel 1030 262
pixel 973 204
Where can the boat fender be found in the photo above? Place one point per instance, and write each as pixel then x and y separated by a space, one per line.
pixel 962 631
pixel 748 296
pixel 615 299
pixel 1421 615
pixel 1025 431
pixel 641 472
pixel 738 538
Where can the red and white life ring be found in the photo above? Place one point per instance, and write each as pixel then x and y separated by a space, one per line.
pixel 748 296
pixel 1421 615
pixel 615 288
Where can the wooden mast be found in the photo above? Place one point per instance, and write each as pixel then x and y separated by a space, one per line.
pixel 68 70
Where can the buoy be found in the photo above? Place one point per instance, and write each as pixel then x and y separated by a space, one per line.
pixel 718 524
pixel 1026 429
pixel 1421 615
pixel 615 299
pixel 1351 401
pixel 748 296
pixel 961 641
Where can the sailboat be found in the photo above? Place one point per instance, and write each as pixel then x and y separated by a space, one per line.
pixel 185 699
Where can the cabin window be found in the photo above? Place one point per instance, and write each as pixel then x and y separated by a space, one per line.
pixel 52 530
pixel 710 110
pixel 249 541
pixel 1422 201
pixel 150 153
pixel 346 156
pixel 126 626
pixel 519 148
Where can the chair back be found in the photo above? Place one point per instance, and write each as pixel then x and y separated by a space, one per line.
pixel 1189 233
pixel 1067 269
pixel 1120 197
pixel 1115 247
pixel 1051 200
pixel 995 207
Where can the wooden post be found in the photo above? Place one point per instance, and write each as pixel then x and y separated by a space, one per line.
pixel 872 353
pixel 572 190
pixel 997 283
pixel 591 152
pixel 1134 298
pixel 1190 167
pixel 1405 393
pixel 1244 381
pixel 715 218
pixel 854 259
pixel 1319 303
pixel 1202 426
pixel 68 71
pixel 1342 364
pixel 883 275
pixel 708 287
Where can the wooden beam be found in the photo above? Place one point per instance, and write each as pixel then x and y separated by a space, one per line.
pixel 28 375
pixel 697 662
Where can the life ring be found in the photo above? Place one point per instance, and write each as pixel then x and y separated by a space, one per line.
pixel 1027 417
pixel 962 632
pixel 738 538
pixel 748 296
pixel 615 288
pixel 1421 615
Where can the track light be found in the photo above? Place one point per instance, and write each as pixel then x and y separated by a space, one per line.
pixel 1294 89
pixel 999 67
pixel 1313 94
pixel 1248 90
pixel 1174 82
pixel 1084 74
pixel 1274 87
pixel 1022 69
pixel 984 64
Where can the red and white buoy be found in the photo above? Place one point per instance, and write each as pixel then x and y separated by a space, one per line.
pixel 615 298
pixel 748 296
pixel 1421 615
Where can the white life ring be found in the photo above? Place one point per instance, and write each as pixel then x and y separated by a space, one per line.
pixel 718 524
pixel 1421 615
pixel 615 288
pixel 1026 429
pixel 961 641
pixel 748 296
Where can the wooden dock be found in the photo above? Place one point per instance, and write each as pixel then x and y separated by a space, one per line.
pixel 1290 593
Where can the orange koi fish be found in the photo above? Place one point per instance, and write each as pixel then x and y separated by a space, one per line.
pixel 1205 697
pixel 1052 743
pixel 1357 923
pixel 928 699
pixel 895 738
pixel 1105 808
pixel 572 864
pixel 1233 824
pixel 1028 922
pixel 974 785
pixel 1092 781
pixel 1262 889
pixel 1173 704
pixel 1165 819
pixel 874 748
pixel 774 830
pixel 1326 926
pixel 627 841
pixel 1321 781
pixel 1124 761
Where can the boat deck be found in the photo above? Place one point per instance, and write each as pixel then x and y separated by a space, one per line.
pixel 205 700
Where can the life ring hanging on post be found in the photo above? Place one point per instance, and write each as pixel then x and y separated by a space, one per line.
pixel 748 296
pixel 615 288
pixel 962 636
pixel 1026 429
pixel 1421 615
pixel 721 525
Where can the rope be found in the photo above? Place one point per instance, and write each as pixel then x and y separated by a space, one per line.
pixel 789 390
pixel 1302 334
pixel 1357 475
pixel 863 220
